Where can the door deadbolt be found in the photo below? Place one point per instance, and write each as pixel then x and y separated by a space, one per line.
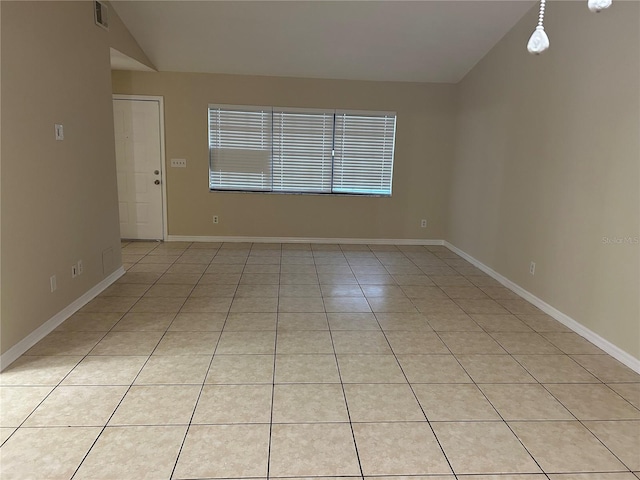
pixel 157 172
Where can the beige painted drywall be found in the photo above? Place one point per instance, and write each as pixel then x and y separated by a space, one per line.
pixel 59 198
pixel 422 157
pixel 547 164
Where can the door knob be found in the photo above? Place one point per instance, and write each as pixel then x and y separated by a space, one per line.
pixel 157 182
pixel 157 172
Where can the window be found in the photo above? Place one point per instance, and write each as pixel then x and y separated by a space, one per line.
pixel 240 149
pixel 363 160
pixel 287 150
pixel 302 146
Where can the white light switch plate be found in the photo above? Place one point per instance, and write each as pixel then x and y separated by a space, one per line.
pixel 179 162
pixel 59 132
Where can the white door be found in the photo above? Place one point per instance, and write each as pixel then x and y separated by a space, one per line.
pixel 139 166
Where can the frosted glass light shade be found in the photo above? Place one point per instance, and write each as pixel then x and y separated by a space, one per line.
pixel 599 5
pixel 539 42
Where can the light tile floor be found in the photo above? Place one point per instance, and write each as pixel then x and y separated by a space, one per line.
pixel 253 361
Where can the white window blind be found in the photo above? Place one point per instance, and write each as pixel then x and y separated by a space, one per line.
pixel 364 145
pixel 301 151
pixel 302 145
pixel 240 148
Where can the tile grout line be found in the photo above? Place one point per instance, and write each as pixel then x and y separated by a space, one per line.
pixel 204 380
pixel 581 422
pixel 538 383
pixel 105 333
pixel 485 396
pixel 62 380
pixel 497 411
pixel 102 430
pixel 344 394
pixel 444 454
pixel 139 372
pixel 273 376
pixel 482 392
pixel 473 382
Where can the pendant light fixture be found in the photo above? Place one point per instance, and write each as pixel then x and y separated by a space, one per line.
pixel 599 5
pixel 539 41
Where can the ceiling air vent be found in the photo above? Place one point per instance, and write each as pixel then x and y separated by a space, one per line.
pixel 102 15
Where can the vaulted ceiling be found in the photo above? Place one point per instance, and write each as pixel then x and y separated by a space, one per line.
pixel 393 40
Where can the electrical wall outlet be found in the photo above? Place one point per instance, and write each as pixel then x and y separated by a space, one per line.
pixel 423 223
pixel 179 162
pixel 80 267
pixel 74 271
pixel 215 219
pixel 53 283
pixel 532 268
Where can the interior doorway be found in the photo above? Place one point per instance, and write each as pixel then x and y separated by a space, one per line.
pixel 139 136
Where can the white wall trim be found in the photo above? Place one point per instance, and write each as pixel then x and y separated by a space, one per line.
pixel 600 342
pixel 47 327
pixel 344 241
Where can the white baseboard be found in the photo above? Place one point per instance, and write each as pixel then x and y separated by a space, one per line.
pixel 616 352
pixel 344 241
pixel 47 327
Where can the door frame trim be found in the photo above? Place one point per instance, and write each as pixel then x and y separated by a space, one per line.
pixel 163 162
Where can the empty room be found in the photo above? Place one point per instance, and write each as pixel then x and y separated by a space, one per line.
pixel 320 239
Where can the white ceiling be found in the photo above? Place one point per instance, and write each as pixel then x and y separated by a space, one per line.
pixel 395 40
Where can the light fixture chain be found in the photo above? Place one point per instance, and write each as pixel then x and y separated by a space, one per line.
pixel 541 14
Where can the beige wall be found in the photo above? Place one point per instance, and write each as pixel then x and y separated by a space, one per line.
pixel 59 199
pixel 422 158
pixel 547 163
